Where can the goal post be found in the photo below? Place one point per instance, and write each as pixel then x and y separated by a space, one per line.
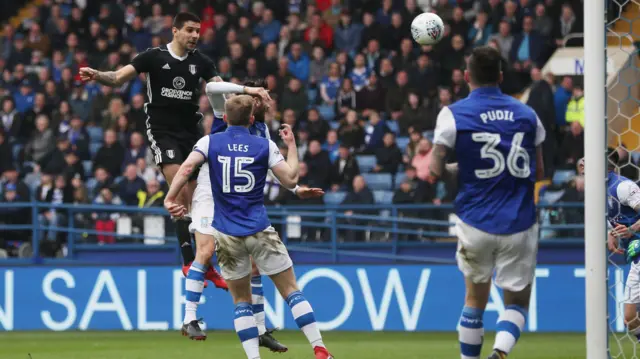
pixel 595 142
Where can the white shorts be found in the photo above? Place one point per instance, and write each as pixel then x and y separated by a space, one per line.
pixel 202 211
pixel 265 248
pixel 513 256
pixel 632 287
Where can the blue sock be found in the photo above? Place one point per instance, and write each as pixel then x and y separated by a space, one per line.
pixel 510 325
pixel 304 317
pixel 471 332
pixel 194 286
pixel 257 299
pixel 246 329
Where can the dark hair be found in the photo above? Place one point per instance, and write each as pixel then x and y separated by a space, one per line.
pixel 485 66
pixel 182 17
pixel 613 157
pixel 255 83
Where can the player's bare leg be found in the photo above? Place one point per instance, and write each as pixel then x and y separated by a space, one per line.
pixel 631 319
pixel 302 312
pixel 511 322
pixel 257 299
pixel 194 285
pixel 244 321
pixel 471 332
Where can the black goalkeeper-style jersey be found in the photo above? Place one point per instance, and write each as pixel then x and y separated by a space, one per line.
pixel 173 82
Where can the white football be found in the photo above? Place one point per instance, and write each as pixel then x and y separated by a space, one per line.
pixel 427 29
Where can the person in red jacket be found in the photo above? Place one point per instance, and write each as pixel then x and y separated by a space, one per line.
pixel 325 31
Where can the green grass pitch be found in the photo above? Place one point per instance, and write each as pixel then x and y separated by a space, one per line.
pixel 225 345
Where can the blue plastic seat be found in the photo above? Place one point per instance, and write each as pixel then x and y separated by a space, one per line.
pixel 334 197
pixel 366 163
pixel 383 197
pixel 402 142
pixel 563 176
pixel 379 181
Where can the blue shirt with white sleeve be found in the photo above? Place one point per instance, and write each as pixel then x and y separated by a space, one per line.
pixel 494 137
pixel 238 163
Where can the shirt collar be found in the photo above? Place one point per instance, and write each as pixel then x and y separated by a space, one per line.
pixel 237 129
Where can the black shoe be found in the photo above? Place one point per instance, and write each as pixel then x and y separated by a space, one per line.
pixel 193 331
pixel 496 354
pixel 268 341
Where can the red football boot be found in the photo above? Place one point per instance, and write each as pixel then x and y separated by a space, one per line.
pixel 215 278
pixel 322 353
pixel 185 270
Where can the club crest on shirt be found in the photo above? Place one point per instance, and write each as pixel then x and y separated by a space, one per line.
pixel 204 222
pixel 192 69
pixel 171 154
pixel 178 83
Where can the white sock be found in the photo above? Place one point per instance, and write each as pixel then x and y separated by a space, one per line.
pixel 194 284
pixel 305 319
pixel 257 299
pixel 245 325
pixel 510 325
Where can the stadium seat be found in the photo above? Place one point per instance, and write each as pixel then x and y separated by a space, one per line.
pixel 398 179
pixel 441 190
pixel 15 151
pixel 93 148
pixel 383 197
pixel 563 176
pixel 393 126
pixel 366 163
pixel 378 181
pixel 334 125
pixel 87 167
pixel 402 142
pixel 95 134
pixel 118 180
pixel 334 197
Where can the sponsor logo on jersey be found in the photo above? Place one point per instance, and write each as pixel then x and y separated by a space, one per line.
pixel 178 83
pixel 171 154
pixel 177 94
pixel 192 69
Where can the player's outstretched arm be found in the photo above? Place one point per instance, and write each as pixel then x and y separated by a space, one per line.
pixel 109 78
pixel 225 88
pixel 194 160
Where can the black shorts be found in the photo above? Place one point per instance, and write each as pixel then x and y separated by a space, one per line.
pixel 172 142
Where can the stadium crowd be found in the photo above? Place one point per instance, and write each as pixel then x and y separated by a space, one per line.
pixel 361 96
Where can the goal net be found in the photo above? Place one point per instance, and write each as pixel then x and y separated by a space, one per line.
pixel 621 87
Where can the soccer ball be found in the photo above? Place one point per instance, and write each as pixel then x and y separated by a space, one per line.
pixel 427 29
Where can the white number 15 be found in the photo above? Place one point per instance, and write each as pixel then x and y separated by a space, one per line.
pixel 238 173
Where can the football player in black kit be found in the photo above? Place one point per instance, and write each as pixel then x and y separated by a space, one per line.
pixel 174 72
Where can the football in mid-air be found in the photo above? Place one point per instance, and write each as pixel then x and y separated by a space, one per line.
pixel 427 28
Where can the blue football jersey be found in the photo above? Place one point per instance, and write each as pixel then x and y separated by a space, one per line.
pixel 494 137
pixel 622 196
pixel 238 164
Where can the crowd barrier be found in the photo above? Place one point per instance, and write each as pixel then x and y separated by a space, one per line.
pixel 314 234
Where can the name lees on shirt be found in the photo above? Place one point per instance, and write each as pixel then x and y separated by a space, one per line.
pixel 497 115
pixel 237 147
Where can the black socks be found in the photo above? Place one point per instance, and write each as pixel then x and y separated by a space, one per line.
pixel 184 240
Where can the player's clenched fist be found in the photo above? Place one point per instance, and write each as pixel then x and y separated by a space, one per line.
pixel 87 73
pixel 287 135
pixel 176 210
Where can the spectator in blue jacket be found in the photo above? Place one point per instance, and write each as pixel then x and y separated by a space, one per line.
pixel 130 186
pixel 139 37
pixel 24 98
pixel 480 31
pixel 561 99
pixel 527 48
pixel 268 28
pixel 299 63
pixel 347 35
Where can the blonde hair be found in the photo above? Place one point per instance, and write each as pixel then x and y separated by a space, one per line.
pixel 239 110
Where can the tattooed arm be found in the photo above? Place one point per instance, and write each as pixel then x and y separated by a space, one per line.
pixel 444 140
pixel 439 167
pixel 109 78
